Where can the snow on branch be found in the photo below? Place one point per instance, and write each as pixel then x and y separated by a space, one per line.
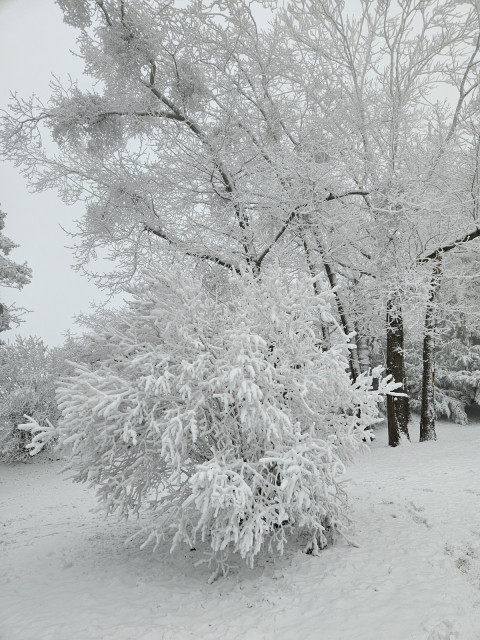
pixel 471 235
pixel 43 434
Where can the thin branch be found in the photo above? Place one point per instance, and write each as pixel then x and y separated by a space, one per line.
pixel 142 114
pixel 181 117
pixel 462 92
pixel 228 182
pixel 100 4
pixel 266 251
pixel 334 196
pixel 202 256
pixel 293 215
pixel 448 247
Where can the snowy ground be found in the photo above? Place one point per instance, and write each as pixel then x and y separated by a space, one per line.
pixel 65 573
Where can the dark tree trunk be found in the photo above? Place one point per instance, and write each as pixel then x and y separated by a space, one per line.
pixel 427 416
pixel 332 280
pixel 326 341
pixel 398 408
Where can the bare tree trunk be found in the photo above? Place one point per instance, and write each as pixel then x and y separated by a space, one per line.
pixel 315 240
pixel 427 415
pixel 332 279
pixel 347 328
pixel 317 288
pixel 398 408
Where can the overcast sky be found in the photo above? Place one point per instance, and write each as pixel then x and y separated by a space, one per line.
pixel 34 43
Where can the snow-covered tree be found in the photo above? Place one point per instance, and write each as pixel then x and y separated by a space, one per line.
pixel 387 65
pixel 194 138
pixel 12 274
pixel 318 139
pixel 224 416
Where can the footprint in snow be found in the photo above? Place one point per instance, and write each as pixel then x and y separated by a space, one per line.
pixel 416 507
pixel 443 631
pixel 414 511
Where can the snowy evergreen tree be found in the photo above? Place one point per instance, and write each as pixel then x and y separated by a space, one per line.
pixel 12 274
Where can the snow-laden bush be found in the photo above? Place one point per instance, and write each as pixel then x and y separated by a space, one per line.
pixel 27 386
pixel 223 416
pixel 29 372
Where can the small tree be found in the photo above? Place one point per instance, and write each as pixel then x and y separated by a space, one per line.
pixel 224 415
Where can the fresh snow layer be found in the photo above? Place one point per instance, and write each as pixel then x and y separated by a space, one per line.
pixel 66 574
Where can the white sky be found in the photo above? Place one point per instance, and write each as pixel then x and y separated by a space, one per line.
pixel 34 43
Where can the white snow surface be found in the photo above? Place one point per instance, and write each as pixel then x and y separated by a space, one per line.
pixel 66 573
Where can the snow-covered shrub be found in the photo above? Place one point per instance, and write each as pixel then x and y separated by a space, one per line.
pixel 29 372
pixel 222 416
pixel 27 387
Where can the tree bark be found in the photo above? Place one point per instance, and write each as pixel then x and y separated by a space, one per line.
pixel 347 328
pixel 363 352
pixel 427 415
pixel 398 408
pixel 312 268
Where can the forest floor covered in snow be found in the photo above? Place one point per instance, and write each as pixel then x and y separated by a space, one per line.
pixel 66 574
